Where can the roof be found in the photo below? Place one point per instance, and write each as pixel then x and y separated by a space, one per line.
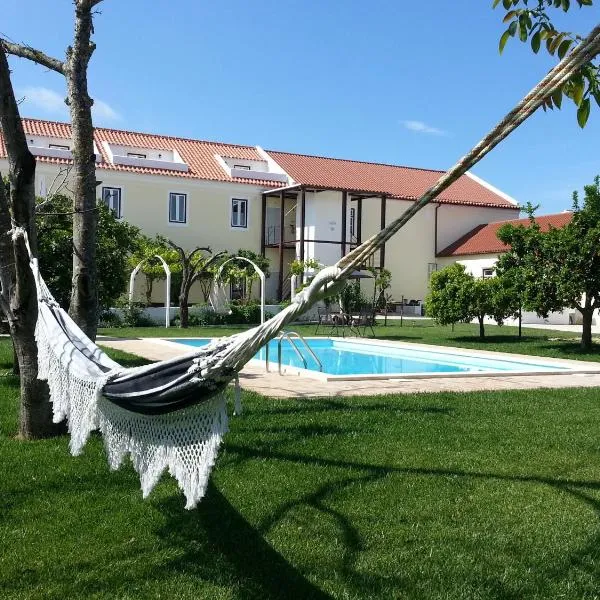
pixel 313 171
pixel 483 239
pixel 393 181
pixel 199 155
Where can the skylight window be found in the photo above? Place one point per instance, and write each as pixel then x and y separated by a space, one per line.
pixel 152 158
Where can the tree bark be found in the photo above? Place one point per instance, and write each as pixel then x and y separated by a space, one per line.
pixel 84 294
pixel 587 314
pixel 19 297
pixel 481 327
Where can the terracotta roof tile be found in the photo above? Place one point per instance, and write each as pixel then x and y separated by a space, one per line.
pixel 197 154
pixel 483 239
pixel 393 181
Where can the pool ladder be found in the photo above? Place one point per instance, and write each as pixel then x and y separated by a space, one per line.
pixel 290 336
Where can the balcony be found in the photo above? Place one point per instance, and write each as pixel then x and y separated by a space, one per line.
pixel 273 234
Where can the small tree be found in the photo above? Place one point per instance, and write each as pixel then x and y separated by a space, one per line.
pixel 561 267
pixel 456 296
pixel 152 269
pixel 193 265
pixel 382 283
pixel 240 270
pixel 447 302
pixel 116 240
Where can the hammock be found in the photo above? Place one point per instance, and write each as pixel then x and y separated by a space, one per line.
pixel 171 415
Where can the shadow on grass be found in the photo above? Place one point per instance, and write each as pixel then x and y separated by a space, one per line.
pixel 328 405
pixel 582 559
pixel 221 546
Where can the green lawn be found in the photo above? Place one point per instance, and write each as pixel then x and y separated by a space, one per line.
pixel 454 496
pixel 556 344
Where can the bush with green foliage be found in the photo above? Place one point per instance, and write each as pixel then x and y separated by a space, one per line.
pixel 456 296
pixel 116 240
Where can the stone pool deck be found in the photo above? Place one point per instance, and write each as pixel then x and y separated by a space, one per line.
pixel 254 378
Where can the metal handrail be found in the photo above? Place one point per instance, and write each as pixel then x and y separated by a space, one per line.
pixel 288 335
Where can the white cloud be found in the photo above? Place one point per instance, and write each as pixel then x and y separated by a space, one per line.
pixel 51 103
pixel 420 127
pixel 48 101
pixel 104 112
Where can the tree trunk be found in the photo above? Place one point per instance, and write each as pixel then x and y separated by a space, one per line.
pixel 520 321
pixel 183 312
pixel 587 314
pixel 19 297
pixel 84 295
pixel 15 367
pixel 481 326
pixel 149 286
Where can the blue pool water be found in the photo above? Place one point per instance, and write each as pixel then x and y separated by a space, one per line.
pixel 341 357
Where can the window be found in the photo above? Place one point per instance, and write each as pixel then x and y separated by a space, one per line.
pixel 111 196
pixel 353 222
pixel 431 268
pixel 136 155
pixel 242 167
pixel 58 147
pixel 237 289
pixel 177 208
pixel 487 273
pixel 239 213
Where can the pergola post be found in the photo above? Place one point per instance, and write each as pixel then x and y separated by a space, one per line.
pixel 302 225
pixel 344 217
pixel 359 222
pixel 281 228
pixel 382 251
pixel 263 224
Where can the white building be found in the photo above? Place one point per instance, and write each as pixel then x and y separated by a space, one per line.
pixel 284 205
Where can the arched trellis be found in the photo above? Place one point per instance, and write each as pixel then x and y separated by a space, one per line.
pixel 167 285
pixel 260 274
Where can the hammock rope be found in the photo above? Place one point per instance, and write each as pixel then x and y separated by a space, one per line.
pixel 171 415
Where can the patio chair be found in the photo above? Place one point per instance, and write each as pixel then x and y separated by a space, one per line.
pixel 326 318
pixel 364 319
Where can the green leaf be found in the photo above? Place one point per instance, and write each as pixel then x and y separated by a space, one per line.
pixel 596 95
pixel 536 40
pixel 522 32
pixel 578 90
pixel 564 48
pixel 583 112
pixel 496 2
pixel 503 40
pixel 509 15
pixel 512 28
pixel 557 98
pixel 507 4
pixel 566 5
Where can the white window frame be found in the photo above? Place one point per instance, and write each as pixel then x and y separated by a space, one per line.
pixel 243 167
pixel 490 272
pixel 186 214
pixel 246 201
pixel 118 214
pixel 137 155
pixel 58 147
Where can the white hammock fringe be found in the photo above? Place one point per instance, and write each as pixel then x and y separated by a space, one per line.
pixel 185 442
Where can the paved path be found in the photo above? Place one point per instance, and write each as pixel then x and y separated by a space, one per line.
pixel 254 378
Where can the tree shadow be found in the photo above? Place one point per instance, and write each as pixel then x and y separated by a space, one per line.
pixel 365 474
pixel 219 545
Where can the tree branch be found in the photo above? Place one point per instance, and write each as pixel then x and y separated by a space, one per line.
pixel 34 55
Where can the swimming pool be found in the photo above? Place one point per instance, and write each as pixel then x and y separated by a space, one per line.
pixel 350 359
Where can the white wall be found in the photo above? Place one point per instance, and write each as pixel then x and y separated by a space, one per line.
pixel 456 220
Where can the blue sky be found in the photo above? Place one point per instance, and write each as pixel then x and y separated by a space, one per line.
pixel 412 83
